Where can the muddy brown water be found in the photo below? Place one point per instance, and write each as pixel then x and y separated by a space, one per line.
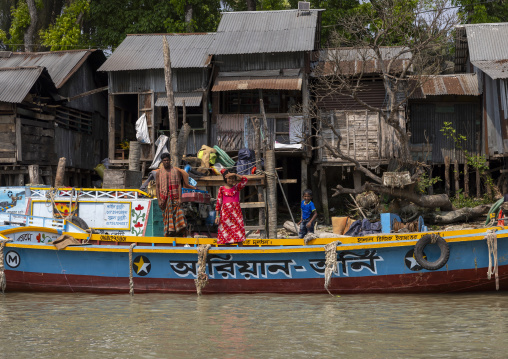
pixel 253 326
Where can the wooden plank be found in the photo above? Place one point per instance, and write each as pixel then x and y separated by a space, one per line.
pixel 252 205
pixel 26 122
pixel 214 181
pixel 254 228
pixel 289 180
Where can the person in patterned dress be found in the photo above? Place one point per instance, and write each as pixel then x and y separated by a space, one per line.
pixel 229 214
pixel 168 180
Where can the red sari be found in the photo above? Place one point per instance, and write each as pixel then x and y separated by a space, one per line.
pixel 231 225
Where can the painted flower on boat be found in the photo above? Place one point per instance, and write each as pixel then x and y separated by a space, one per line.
pixel 38 237
pixel 138 225
pixel 139 208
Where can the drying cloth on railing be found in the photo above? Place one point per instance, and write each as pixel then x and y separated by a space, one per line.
pixel 363 227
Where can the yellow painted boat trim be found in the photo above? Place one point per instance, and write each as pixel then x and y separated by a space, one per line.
pixel 286 245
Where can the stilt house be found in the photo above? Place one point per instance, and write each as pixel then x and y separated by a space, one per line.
pixel 483 49
pixel 52 105
pixel 265 55
pixel 137 86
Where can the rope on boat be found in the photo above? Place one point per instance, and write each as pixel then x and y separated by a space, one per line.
pixel 131 279
pixel 3 283
pixel 201 278
pixel 309 237
pixel 331 262
pixel 491 238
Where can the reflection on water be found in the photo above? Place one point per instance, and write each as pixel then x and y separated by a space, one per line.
pixel 253 326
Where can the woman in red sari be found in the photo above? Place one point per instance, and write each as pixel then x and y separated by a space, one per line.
pixel 229 214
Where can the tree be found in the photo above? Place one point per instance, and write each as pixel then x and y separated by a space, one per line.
pixel 111 20
pixel 421 34
pixel 480 11
pixel 66 33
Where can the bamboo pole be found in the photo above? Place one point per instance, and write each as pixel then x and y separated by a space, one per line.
pixel 173 119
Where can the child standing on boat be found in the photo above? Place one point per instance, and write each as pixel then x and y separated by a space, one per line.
pixel 229 214
pixel 309 214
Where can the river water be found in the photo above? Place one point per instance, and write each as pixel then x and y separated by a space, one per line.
pixel 253 326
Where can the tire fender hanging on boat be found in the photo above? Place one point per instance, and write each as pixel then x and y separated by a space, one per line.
pixel 443 247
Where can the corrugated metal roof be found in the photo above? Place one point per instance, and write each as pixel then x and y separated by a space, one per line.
pixel 142 52
pixel 457 84
pixel 270 80
pixel 60 64
pixel 15 83
pixel 250 32
pixel 487 41
pixel 356 60
pixel 192 99
pixel 497 69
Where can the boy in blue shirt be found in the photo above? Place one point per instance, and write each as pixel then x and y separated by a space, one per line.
pixel 309 214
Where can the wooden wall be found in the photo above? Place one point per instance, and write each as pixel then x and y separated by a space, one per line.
pixel 365 137
pixel 7 133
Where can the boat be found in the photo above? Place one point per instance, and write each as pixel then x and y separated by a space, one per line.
pixel 123 262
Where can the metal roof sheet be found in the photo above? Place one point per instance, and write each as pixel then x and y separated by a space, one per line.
pixel 60 64
pixel 192 99
pixel 249 32
pixel 15 83
pixel 497 69
pixel 356 60
pixel 457 84
pixel 225 82
pixel 143 52
pixel 487 41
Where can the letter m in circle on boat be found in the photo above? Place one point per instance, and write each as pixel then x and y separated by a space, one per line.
pixel 12 259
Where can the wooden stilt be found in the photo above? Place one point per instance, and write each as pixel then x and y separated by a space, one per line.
pixel 304 175
pixel 257 148
pixel 271 182
pixel 447 175
pixel 466 180
pixel 324 196
pixel 60 173
pixel 33 174
pixel 456 174
pixel 431 188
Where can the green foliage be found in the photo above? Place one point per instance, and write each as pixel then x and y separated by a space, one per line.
pixel 478 162
pixel 20 20
pixel 462 201
pixel 65 34
pixel 147 16
pixel 480 11
pixel 425 182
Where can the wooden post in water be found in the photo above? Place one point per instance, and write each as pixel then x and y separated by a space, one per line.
pixel 456 174
pixel 33 174
pixel 60 172
pixel 447 174
pixel 271 186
